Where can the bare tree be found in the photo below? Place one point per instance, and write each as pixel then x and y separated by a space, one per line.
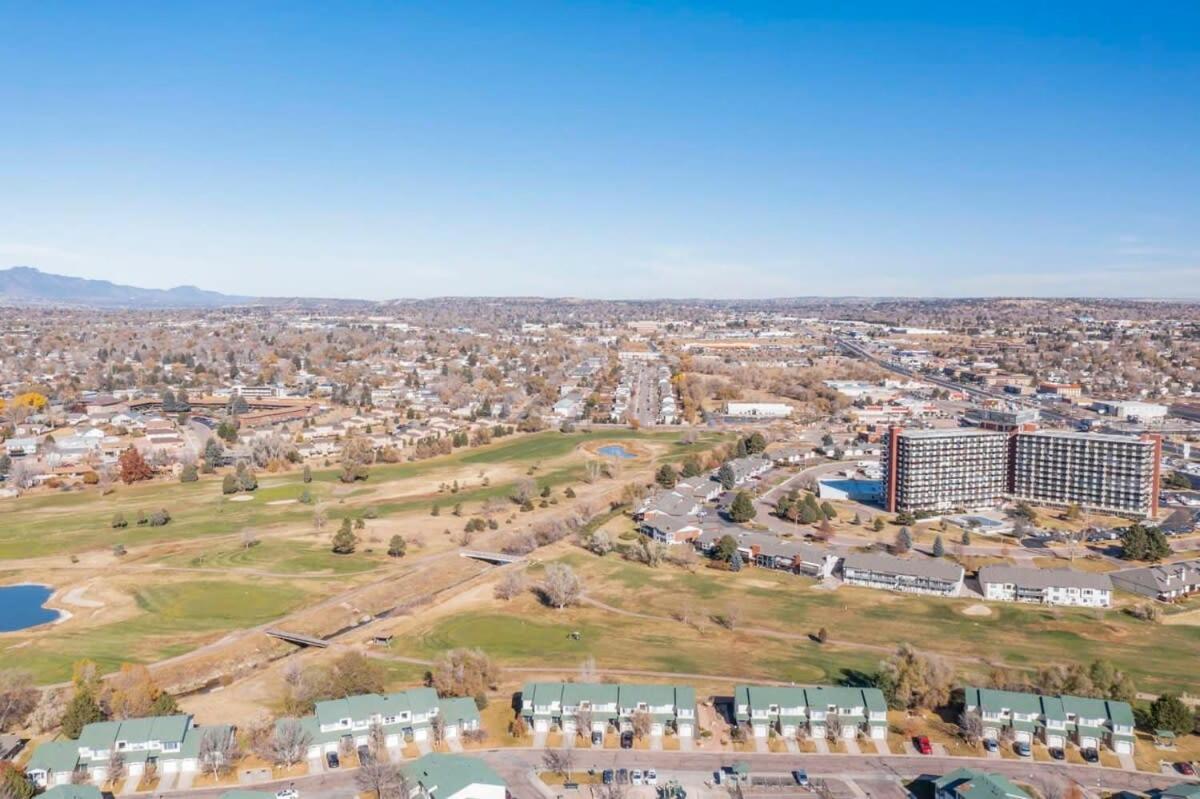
pixel 249 539
pixel 18 697
pixel 561 586
pixel 438 728
pixel 583 722
pixel 384 779
pixel 290 743
pixel 377 739
pixel 970 726
pixel 116 767
pixel 822 790
pixel 511 586
pixel 559 761
pixel 218 752
pixel 641 723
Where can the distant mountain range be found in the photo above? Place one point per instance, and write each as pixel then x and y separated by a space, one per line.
pixel 24 285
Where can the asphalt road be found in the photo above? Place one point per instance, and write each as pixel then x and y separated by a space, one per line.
pixel 516 767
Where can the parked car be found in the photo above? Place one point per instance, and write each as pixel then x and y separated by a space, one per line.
pixel 287 793
pixel 331 760
pixel 364 755
pixel 597 738
pixel 991 744
pixel 801 777
pixel 1185 768
pixel 622 776
pixel 1056 753
pixel 607 776
pixel 1090 755
pixel 627 740
pixel 1023 749
pixel 923 745
pixel 651 777
pixel 635 776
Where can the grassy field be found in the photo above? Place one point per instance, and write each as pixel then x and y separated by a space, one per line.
pixel 777 614
pixel 277 557
pixel 172 618
pixel 74 522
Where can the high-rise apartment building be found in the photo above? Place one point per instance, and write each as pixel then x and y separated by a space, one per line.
pixel 934 471
pixel 1107 473
pixel 944 470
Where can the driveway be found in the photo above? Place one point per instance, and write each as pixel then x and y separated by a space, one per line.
pixel 316 765
pixel 130 784
pixel 185 780
pixel 167 782
pixel 852 746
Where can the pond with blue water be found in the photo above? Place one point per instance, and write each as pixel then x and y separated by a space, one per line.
pixel 21 607
pixel 615 451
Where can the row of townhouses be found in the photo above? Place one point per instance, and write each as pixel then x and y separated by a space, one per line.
pixel 917 575
pixel 1166 582
pixel 790 710
pixel 171 744
pixel 573 706
pixel 403 716
pixel 1089 723
pixel 771 552
pixel 1046 586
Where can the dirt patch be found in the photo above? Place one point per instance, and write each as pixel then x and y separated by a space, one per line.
pixel 283 502
pixel 977 610
pixel 1188 617
pixel 241 498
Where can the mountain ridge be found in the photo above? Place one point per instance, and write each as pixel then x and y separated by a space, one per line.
pixel 27 285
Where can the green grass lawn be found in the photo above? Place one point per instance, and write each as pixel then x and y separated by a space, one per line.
pixel 278 557
pixel 858 620
pixel 175 618
pixel 72 522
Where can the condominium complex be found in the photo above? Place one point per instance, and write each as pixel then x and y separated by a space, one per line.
pixel 1046 586
pixel 1114 474
pixel 932 471
pixel 943 470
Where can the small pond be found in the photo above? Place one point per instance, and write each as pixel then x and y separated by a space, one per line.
pixel 21 607
pixel 615 451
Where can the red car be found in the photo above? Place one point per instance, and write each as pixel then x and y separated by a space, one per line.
pixel 923 745
pixel 1185 768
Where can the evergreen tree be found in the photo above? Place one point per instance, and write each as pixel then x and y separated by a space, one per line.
pixel 229 484
pixel 188 474
pixel 306 475
pixel 665 476
pixel 966 538
pixel 397 546
pixel 742 508
pixel 725 476
pixel 735 562
pixel 344 540
pixel 83 709
pixel 939 549
pixel 756 443
pixel 903 540
pixel 1168 712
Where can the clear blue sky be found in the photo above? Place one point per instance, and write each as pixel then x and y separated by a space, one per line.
pixel 605 149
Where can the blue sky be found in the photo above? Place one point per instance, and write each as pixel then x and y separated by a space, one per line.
pixel 605 149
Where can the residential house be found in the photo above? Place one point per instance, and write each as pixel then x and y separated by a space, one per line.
pixel 1165 582
pixel 405 715
pixel 966 783
pixel 21 447
pixel 1086 722
pixel 770 552
pixel 747 468
pixel 788 710
pixel 1046 586
pixel 917 575
pixel 169 743
pixel 440 776
pixel 566 705
pixel 74 792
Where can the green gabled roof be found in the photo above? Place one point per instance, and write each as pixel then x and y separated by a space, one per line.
pixel 543 693
pixel 971 784
pixel 458 709
pixel 99 734
pixel 685 697
pixel 364 706
pixel 191 743
pixel 1119 712
pixel 1023 726
pixel 761 696
pixel 1052 708
pixel 874 699
pixel 55 757
pixel 74 792
pixel 445 775
pixel 1085 707
pixel 822 696
pixel 992 699
pixel 573 693
pixel 632 695
pixel 1183 790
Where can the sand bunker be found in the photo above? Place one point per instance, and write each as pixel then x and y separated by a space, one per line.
pixel 241 498
pixel 977 610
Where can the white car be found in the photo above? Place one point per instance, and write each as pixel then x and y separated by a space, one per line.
pixel 636 776
pixel 651 777
pixel 287 793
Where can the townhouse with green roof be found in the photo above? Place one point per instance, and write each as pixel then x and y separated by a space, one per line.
pixel 789 710
pixel 440 776
pixel 73 792
pixel 404 716
pixel 1057 720
pixel 967 783
pixel 601 705
pixel 170 744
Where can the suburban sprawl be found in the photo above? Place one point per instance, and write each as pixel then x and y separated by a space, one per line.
pixel 554 549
